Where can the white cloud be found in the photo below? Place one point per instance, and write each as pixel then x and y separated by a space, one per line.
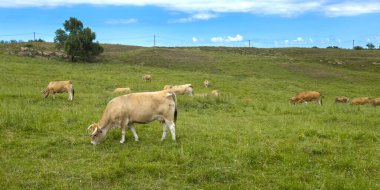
pixel 195 39
pixel 268 7
pixel 217 39
pixel 195 17
pixel 352 8
pixel 311 40
pixel 286 41
pixel 299 40
pixel 237 38
pixel 122 21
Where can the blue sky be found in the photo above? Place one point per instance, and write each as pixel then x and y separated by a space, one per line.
pixel 271 23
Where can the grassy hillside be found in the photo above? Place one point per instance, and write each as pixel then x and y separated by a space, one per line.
pixel 249 138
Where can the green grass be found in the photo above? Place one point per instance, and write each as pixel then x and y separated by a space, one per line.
pixel 249 138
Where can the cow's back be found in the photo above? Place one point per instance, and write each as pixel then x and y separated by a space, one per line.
pixel 140 107
pixel 308 95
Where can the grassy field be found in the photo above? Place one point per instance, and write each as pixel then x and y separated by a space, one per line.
pixel 249 138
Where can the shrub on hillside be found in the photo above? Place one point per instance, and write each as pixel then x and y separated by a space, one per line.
pixel 358 48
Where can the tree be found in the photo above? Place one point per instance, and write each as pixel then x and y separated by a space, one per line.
pixel 76 40
pixel 370 46
pixel 358 48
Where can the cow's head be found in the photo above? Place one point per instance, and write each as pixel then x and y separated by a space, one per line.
pixel 45 93
pixel 292 100
pixel 96 133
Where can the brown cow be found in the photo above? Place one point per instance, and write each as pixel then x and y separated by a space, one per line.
pixel 307 96
pixel 143 107
pixel 375 102
pixel 359 101
pixel 59 87
pixel 147 77
pixel 342 99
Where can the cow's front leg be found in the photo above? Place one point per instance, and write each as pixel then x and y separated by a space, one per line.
pixel 122 134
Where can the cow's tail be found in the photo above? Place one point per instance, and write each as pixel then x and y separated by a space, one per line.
pixel 175 106
pixel 321 97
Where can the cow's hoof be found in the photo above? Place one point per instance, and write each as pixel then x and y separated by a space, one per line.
pixel 122 142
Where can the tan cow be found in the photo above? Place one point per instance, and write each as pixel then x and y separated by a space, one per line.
pixel 206 83
pixel 375 102
pixel 143 107
pixel 307 96
pixel 359 101
pixel 59 87
pixel 215 93
pixel 180 89
pixel 147 77
pixel 122 90
pixel 201 94
pixel 342 99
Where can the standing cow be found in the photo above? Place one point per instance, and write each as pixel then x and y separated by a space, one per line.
pixel 59 87
pixel 206 83
pixel 180 89
pixel 307 96
pixel 375 102
pixel 147 77
pixel 143 107
pixel 342 99
pixel 359 101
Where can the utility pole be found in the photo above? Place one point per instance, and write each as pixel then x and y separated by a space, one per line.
pixel 353 44
pixel 34 36
pixel 249 43
pixel 154 40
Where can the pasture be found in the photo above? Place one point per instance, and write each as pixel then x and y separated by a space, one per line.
pixel 248 138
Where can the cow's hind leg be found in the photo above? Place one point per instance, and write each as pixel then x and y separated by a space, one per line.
pixel 172 129
pixel 133 131
pixel 164 126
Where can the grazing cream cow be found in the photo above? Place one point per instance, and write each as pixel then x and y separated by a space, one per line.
pixel 215 92
pixel 342 99
pixel 145 107
pixel 307 96
pixel 180 89
pixel 147 77
pixel 359 101
pixel 167 87
pixel 206 83
pixel 375 102
pixel 59 87
pixel 122 90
